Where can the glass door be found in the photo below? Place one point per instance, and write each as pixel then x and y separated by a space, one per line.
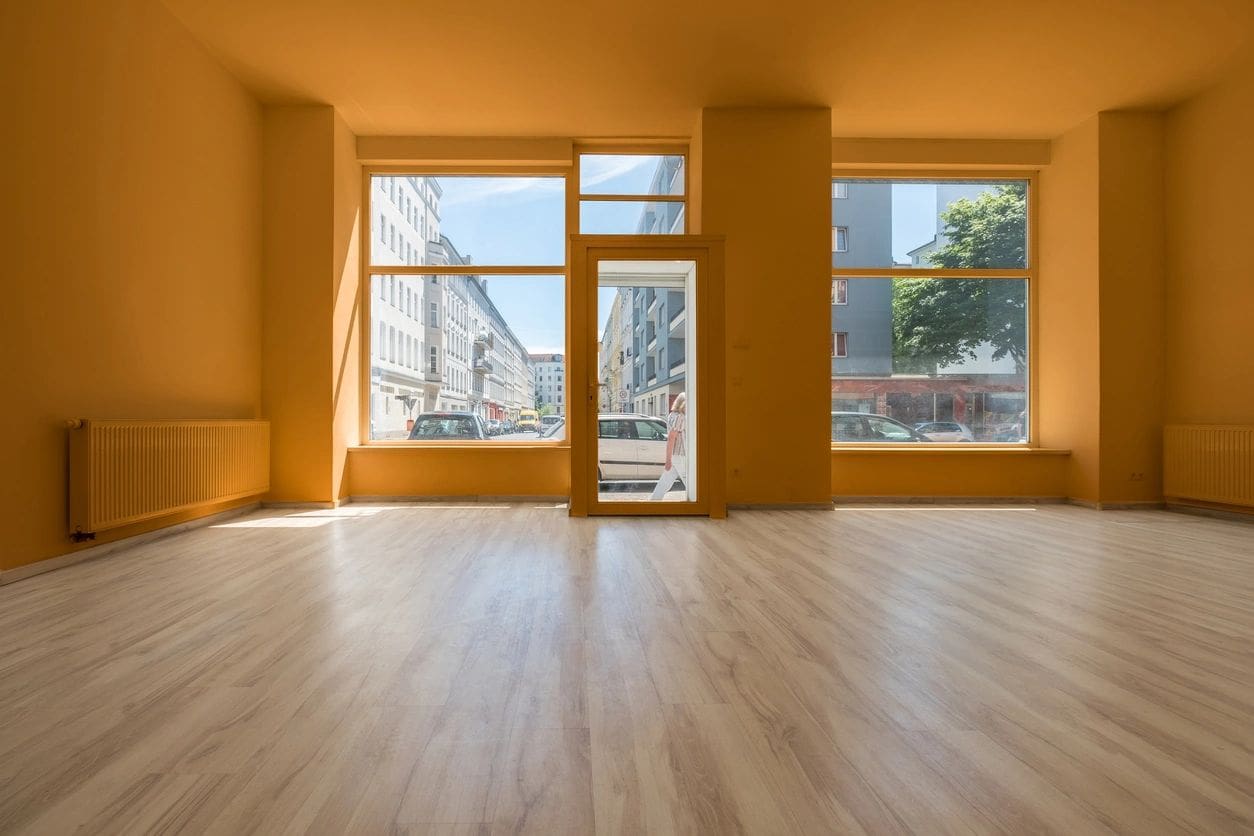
pixel 647 426
pixel 646 439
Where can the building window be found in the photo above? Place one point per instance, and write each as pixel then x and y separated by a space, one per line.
pixel 840 190
pixel 633 193
pixel 937 300
pixel 840 239
pixel 840 291
pixel 840 344
pixel 516 224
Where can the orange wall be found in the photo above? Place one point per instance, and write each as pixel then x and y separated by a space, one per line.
pixel 777 286
pixel 1210 289
pixel 345 320
pixel 1132 302
pixel 1068 343
pixel 944 473
pixel 312 330
pixel 299 226
pixel 132 237
pixel 459 471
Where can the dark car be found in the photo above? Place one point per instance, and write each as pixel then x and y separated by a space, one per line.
pixel 864 427
pixel 442 426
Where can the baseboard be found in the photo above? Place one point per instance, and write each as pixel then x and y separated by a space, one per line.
pixel 949 500
pixel 304 506
pixel 104 549
pixel 484 498
pixel 1144 505
pixel 1218 512
pixel 779 506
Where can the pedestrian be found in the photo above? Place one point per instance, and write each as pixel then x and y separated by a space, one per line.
pixel 676 447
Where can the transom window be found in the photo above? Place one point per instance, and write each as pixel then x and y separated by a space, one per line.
pixel 633 193
pixel 931 283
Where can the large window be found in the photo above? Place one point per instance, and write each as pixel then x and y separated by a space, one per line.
pixel 632 194
pixel 930 319
pixel 467 306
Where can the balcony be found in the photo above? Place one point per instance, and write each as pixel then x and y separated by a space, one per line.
pixel 485 339
pixel 678 319
pixel 482 365
pixel 433 376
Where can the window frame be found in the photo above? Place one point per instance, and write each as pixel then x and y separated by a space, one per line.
pixel 840 298
pixel 840 347
pixel 576 197
pixel 368 271
pixel 1028 273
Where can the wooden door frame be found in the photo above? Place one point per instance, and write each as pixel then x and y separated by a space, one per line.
pixel 582 371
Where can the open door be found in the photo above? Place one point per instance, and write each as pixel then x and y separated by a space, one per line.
pixel 647 432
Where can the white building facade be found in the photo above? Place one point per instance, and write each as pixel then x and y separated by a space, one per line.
pixel 550 383
pixel 438 342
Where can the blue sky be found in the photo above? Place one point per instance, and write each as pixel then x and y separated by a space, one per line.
pixel 521 220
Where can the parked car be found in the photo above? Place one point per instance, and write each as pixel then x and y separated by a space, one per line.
pixel 442 426
pixel 945 431
pixel 547 421
pixel 492 426
pixel 555 430
pixel 630 447
pixel 864 427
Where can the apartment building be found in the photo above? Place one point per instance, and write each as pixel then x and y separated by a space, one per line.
pixel 549 376
pixel 982 391
pixel 442 344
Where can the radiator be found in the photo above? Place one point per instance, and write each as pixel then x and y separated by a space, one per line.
pixel 1210 463
pixel 124 472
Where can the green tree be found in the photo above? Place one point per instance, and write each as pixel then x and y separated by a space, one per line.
pixel 942 322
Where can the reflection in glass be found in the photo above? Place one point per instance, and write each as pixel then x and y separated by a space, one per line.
pixel 930 360
pixel 631 174
pixel 631 218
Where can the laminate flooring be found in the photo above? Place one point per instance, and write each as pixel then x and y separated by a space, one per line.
pixel 504 668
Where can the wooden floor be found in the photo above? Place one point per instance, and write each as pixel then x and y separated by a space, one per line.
pixel 445 669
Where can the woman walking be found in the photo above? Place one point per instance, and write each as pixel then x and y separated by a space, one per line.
pixel 676 447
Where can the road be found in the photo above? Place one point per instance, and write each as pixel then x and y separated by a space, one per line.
pixel 523 436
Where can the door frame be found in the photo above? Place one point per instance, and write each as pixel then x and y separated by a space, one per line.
pixel 582 370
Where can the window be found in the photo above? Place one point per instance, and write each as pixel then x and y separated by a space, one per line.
pixel 483 309
pixel 840 239
pixel 935 296
pixel 487 220
pixel 840 291
pixel 632 194
pixel 840 190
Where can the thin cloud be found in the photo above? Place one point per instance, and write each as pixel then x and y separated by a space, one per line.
pixel 461 190
pixel 597 169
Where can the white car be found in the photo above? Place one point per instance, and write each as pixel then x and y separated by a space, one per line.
pixel 630 447
pixel 945 431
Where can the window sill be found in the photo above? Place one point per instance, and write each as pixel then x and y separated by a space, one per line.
pixel 461 445
pixel 945 449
